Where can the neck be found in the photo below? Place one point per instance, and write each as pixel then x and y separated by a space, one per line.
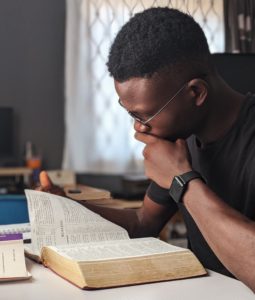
pixel 223 108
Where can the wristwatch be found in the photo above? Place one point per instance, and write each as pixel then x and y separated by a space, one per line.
pixel 180 183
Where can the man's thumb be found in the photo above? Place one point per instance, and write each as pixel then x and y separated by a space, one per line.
pixel 45 180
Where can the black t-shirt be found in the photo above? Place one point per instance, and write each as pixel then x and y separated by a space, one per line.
pixel 228 166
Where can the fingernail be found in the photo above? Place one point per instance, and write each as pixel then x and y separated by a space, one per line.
pixel 144 127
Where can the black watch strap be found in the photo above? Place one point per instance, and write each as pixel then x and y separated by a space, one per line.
pixel 186 177
pixel 180 183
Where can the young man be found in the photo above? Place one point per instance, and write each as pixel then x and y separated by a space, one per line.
pixel 199 137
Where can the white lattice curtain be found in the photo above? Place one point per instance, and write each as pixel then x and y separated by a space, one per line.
pixel 99 134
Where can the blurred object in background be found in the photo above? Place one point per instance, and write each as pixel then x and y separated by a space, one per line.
pixel 62 177
pixel 33 161
pixel 14 180
pixel 134 186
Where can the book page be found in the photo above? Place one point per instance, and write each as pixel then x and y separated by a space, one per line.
pixel 116 249
pixel 56 220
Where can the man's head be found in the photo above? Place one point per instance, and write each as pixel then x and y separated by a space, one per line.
pixel 154 40
pixel 156 53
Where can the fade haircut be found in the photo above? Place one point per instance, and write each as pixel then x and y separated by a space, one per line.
pixel 157 39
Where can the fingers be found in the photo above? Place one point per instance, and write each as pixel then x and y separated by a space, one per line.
pixel 46 185
pixel 45 180
pixel 141 128
pixel 145 138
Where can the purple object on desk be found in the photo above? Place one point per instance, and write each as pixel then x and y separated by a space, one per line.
pixel 11 236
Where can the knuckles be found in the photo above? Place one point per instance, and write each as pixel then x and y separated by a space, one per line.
pixel 146 152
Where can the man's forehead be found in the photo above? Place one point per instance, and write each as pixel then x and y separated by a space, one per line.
pixel 132 86
pixel 142 88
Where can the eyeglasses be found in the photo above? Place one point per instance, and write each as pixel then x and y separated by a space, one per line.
pixel 145 122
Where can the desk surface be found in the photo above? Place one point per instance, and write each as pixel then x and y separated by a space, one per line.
pixel 44 284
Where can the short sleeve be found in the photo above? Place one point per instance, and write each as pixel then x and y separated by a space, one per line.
pixel 160 195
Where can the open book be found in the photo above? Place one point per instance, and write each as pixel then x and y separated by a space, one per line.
pixel 92 252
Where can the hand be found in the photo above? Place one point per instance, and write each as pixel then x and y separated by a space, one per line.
pixel 163 159
pixel 46 185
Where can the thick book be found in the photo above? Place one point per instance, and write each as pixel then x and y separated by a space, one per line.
pixel 92 252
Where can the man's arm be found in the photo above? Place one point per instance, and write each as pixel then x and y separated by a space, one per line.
pixel 145 221
pixel 230 234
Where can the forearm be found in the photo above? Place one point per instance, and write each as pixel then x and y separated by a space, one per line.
pixel 229 234
pixel 126 218
pixel 145 221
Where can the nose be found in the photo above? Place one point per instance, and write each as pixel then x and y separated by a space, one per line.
pixel 141 127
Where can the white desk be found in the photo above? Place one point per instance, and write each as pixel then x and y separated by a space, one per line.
pixel 46 285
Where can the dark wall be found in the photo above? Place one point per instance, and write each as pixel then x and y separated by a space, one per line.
pixel 32 73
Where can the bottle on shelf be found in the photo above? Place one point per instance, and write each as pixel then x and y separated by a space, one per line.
pixel 33 161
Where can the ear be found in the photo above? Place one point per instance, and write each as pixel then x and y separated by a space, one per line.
pixel 199 90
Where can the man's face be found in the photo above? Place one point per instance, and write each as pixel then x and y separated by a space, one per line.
pixel 145 97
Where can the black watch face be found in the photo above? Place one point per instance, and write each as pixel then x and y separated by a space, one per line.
pixel 176 190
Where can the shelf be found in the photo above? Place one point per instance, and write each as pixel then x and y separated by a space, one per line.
pixel 17 171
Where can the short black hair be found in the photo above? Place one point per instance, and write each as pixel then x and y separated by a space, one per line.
pixel 154 40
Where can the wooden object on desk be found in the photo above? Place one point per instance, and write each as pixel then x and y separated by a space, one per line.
pixel 62 177
pixel 67 180
pixel 83 192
